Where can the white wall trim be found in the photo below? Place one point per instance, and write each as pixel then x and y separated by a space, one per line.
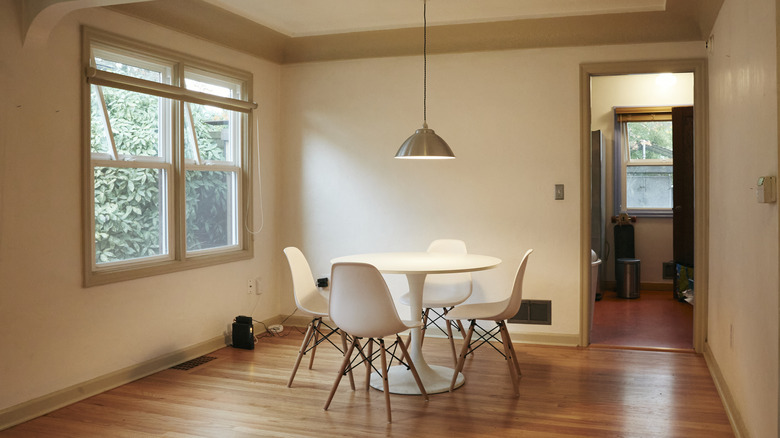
pixel 701 189
pixel 729 404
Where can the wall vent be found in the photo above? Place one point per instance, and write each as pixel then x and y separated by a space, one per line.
pixel 670 270
pixel 534 312
pixel 190 364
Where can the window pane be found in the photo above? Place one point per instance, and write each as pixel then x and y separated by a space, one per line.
pixel 139 69
pixel 135 121
pixel 211 209
pixel 210 85
pixel 129 205
pixel 213 132
pixel 649 140
pixel 649 186
pixel 98 132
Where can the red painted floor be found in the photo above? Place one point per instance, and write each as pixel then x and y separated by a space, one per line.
pixel 654 320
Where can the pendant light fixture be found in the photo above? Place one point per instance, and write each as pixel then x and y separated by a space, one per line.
pixel 424 143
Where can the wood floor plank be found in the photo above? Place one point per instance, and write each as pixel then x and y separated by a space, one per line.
pixel 564 392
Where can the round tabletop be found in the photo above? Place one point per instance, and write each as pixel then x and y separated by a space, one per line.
pixel 422 262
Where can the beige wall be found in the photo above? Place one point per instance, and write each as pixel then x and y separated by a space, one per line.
pixel 512 119
pixel 743 311
pixel 53 332
pixel 652 236
pixel 332 188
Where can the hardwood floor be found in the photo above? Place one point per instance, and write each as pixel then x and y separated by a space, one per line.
pixel 564 392
pixel 654 320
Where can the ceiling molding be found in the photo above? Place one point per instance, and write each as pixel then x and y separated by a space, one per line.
pixel 684 20
pixel 211 23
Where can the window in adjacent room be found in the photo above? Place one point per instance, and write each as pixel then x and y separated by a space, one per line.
pixel 168 161
pixel 643 156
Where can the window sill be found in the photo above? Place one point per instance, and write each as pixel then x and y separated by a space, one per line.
pixel 108 276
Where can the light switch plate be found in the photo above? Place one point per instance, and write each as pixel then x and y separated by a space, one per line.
pixel 558 192
pixel 765 189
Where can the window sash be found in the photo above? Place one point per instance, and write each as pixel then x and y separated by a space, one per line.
pixel 173 165
pixel 100 77
pixel 622 160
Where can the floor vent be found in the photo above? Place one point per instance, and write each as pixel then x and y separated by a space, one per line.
pixel 534 312
pixel 190 364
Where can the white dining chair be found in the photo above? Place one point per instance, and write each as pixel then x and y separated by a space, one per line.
pixel 497 312
pixel 443 291
pixel 311 303
pixel 361 304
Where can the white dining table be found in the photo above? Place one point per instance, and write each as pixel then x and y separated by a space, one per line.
pixel 416 266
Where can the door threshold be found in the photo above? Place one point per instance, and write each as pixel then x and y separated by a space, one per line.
pixel 628 347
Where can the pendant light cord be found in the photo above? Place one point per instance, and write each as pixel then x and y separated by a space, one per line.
pixel 425 64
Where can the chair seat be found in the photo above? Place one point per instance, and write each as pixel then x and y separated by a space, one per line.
pixel 483 311
pixel 435 300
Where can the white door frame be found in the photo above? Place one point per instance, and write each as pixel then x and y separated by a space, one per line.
pixel 701 181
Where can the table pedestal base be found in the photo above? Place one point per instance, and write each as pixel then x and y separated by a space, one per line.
pixel 436 379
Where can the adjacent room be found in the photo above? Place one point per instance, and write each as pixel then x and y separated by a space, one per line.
pixel 158 160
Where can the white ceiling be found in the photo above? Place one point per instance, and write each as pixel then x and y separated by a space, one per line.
pixel 297 18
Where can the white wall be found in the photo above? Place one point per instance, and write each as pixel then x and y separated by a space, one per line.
pixel 652 236
pixel 743 233
pixel 512 119
pixel 53 332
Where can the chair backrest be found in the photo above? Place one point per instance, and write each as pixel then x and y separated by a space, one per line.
pixel 452 288
pixel 360 302
pixel 307 296
pixel 514 300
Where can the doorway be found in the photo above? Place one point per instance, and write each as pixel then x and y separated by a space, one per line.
pixel 654 267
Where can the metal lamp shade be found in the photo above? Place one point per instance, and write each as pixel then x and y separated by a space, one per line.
pixel 424 144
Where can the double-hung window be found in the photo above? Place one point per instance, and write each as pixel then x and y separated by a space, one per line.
pixel 643 161
pixel 167 153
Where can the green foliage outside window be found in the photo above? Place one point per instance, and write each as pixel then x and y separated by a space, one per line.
pixel 650 140
pixel 130 203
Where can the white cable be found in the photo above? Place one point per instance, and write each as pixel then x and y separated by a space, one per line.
pixel 259 181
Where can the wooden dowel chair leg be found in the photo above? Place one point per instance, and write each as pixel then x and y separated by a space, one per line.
pixel 316 338
pixel 304 345
pixel 424 326
pixel 344 346
pixel 510 361
pixel 514 354
pixel 344 365
pixel 464 351
pixel 369 361
pixel 412 368
pixel 385 384
pixel 452 342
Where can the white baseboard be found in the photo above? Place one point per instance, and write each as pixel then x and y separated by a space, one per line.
pixel 735 418
pixel 43 405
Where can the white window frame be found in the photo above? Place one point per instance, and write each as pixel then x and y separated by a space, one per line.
pixel 171 160
pixel 622 160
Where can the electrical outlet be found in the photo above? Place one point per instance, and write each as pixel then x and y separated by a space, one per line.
pixel 250 286
pixel 259 288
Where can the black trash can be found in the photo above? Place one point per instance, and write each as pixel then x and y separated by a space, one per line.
pixel 627 277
